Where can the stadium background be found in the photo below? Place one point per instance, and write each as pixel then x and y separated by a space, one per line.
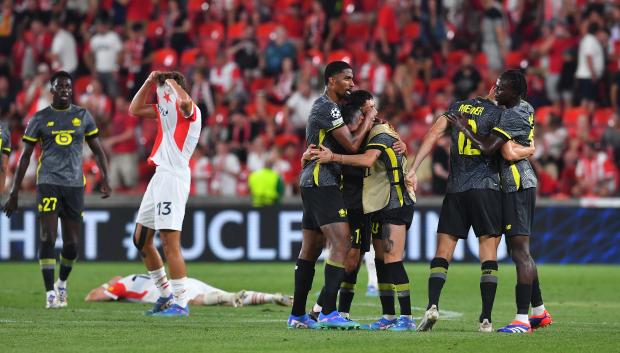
pixel 254 68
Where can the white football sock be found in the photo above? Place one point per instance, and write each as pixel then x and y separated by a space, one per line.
pixel 179 292
pixel 389 317
pixel 317 308
pixel 217 298
pixel 522 318
pixel 61 284
pixel 161 282
pixel 538 310
pixel 255 298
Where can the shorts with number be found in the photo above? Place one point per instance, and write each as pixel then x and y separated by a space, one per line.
pixel 64 201
pixel 477 208
pixel 322 205
pixel 400 216
pixel 518 212
pixel 360 231
pixel 374 226
pixel 163 204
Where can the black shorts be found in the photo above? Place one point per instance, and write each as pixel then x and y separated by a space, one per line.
pixel 374 226
pixel 518 212
pixel 64 201
pixel 397 216
pixel 360 232
pixel 477 208
pixel 322 205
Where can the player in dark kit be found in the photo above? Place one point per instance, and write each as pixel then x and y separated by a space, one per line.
pixel 325 215
pixel 5 151
pixel 518 182
pixel 473 199
pixel 61 129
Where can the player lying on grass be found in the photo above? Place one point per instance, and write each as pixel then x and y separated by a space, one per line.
pixel 384 194
pixel 142 289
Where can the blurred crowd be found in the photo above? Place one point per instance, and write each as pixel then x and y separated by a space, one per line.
pixel 255 67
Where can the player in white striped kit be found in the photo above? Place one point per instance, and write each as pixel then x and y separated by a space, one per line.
pixel 163 205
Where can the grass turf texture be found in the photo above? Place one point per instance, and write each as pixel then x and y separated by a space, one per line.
pixel 582 299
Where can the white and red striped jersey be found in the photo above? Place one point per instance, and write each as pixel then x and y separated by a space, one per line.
pixel 177 135
pixel 142 289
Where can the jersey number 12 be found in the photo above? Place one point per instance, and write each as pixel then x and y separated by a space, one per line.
pixel 465 143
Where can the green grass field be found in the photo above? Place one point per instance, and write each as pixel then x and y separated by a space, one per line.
pixel 584 302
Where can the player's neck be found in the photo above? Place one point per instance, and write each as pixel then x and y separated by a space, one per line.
pixel 332 95
pixel 60 106
pixel 513 103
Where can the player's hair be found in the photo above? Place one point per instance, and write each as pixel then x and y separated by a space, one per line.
pixel 60 74
pixel 359 97
pixel 175 75
pixel 349 111
pixel 517 81
pixel 334 68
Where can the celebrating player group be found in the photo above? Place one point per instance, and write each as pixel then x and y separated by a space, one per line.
pixel 357 191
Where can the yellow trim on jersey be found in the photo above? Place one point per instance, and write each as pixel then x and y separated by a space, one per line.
pixel 507 135
pixel 516 174
pixel 92 133
pixel 394 162
pixel 28 138
pixel 335 127
pixel 7 149
pixel 317 166
pixel 39 165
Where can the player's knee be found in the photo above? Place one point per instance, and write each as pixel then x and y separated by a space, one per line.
pixel 139 237
pixel 69 250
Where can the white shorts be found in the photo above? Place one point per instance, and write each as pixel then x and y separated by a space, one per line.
pixel 163 204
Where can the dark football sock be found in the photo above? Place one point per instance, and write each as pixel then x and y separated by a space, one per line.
pixel 334 274
pixel 386 289
pixel 488 287
pixel 436 280
pixel 304 275
pixel 399 277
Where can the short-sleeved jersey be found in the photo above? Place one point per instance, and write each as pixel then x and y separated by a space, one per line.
pixel 141 288
pixel 517 124
pixel 5 138
pixel 324 118
pixel 352 186
pixel 469 167
pixel 61 134
pixel 177 135
pixel 394 165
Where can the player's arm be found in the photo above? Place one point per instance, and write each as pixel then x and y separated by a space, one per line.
pixel 138 106
pixel 325 155
pixel 512 151
pixel 487 144
pixel 439 128
pixel 352 142
pixel 4 168
pixel 183 99
pixel 307 155
pixel 11 205
pixel 102 163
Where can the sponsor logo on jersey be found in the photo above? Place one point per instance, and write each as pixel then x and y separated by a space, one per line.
pixel 50 123
pixel 76 121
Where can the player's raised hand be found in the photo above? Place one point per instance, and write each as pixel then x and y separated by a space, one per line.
pixel 10 206
pixel 105 189
pixel 323 155
pixel 400 147
pixel 153 76
pixel 458 120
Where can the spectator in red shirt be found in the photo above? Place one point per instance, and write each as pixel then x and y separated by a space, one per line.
pixel 122 147
pixel 387 33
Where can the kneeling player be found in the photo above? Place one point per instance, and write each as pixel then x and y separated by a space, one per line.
pixel 142 289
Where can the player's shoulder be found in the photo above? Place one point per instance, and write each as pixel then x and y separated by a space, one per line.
pixel 324 105
pixel 76 109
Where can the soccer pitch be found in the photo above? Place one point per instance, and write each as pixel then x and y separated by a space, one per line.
pixel 584 302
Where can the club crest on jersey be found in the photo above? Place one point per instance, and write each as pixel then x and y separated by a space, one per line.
pixel 76 121
pixel 342 213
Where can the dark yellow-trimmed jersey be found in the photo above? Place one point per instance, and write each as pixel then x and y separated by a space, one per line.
pixel 517 124
pixel 5 138
pixel 469 167
pixel 61 134
pixel 324 118
pixel 393 162
pixel 352 186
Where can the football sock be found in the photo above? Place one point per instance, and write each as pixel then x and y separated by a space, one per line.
pixel 321 299
pixel 47 263
pixel 523 293
pixel 537 299
pixel 255 298
pixel 161 282
pixel 436 280
pixel 386 290
pixel 522 318
pixel 179 292
pixel 304 274
pixel 347 292
pixel 217 298
pixel 67 259
pixel 334 274
pixel 488 287
pixel 538 310
pixel 401 286
pixel 371 268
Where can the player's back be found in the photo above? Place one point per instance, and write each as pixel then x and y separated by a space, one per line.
pixel 177 135
pixel 469 167
pixel 324 117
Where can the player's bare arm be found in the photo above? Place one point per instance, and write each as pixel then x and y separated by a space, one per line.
pixel 102 163
pixel 139 107
pixel 308 154
pixel 325 155
pixel 487 144
pixel 439 128
pixel 4 163
pixel 11 204
pixel 512 151
pixel 352 142
pixel 183 99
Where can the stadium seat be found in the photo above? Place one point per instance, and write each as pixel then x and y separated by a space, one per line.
pixel 455 57
pixel 411 31
pixel 341 54
pixel 264 33
pixel 514 60
pixel 316 56
pixel 602 116
pixel 235 31
pixel 189 56
pixel 212 30
pixel 164 59
pixel 80 85
pixel 438 85
pixel 571 115
pixel 265 84
pixel 541 115
pixel 480 60
pixel 196 6
pixel 155 29
pixel 357 31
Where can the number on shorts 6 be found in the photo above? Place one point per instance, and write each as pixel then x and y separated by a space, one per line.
pixel 48 204
pixel 163 208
